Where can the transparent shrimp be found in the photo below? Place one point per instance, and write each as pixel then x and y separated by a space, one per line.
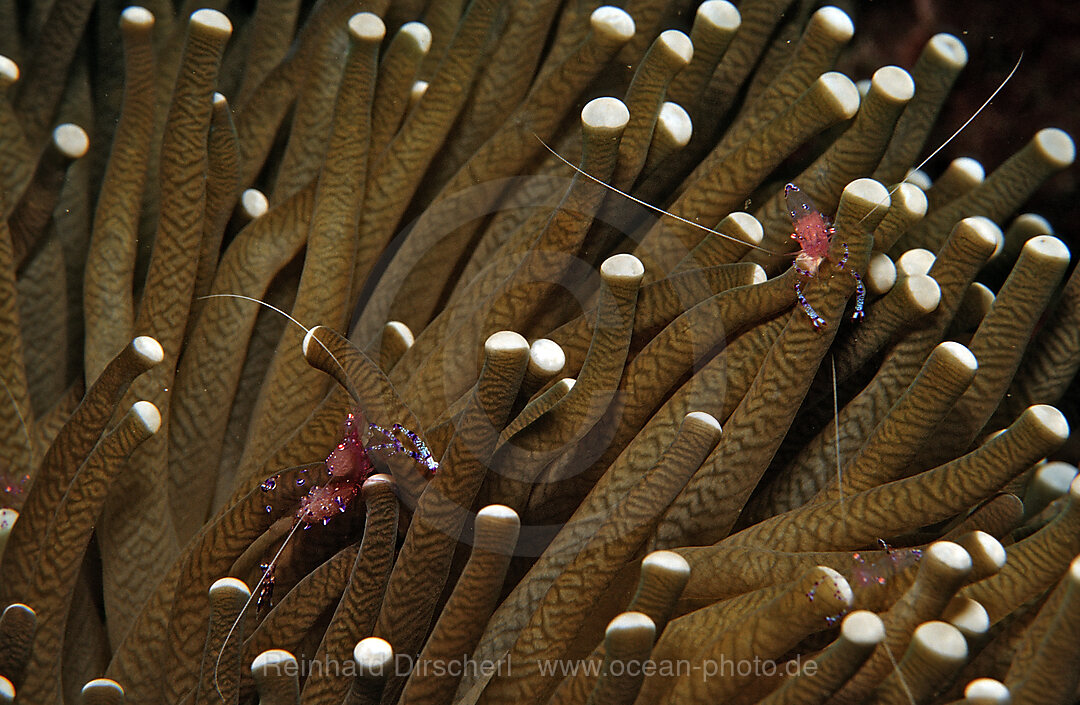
pixel 348 465
pixel 813 232
pixel 812 229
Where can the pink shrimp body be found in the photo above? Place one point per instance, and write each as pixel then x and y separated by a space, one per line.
pixel 348 465
pixel 879 571
pixel 812 230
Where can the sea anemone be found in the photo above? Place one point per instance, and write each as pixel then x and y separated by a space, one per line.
pixel 596 451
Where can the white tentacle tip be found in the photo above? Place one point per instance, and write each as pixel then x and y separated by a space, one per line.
pixel 614 22
pixel 229 586
pixel 912 197
pixel 373 657
pixel 942 640
pixel 667 562
pixel 924 291
pixel 987 691
pixel 675 123
pixel 498 512
pixel 496 530
pixel 101 690
pixel 915 262
pixel 631 627
pixel 1047 247
pixel 880 274
pixel 505 341
pixel 750 229
pixel 894 83
pixel 967 615
pixel 254 202
pixel 546 357
pixel 843 593
pixel 367 27
pixel 420 34
pixel 1056 146
pixel 622 266
pixel 835 21
pixel 678 44
pixel 759 275
pixel 272 660
pixel 1052 420
pixel 1056 476
pixel 948 556
pixel 309 337
pixel 212 21
pixel 137 16
pixel 987 547
pixel 704 420
pixel 148 415
pixel 970 169
pixel 149 348
pixel 959 354
pixel 985 229
pixel 871 192
pixel 605 113
pixel 863 628
pixel 402 331
pixel 71 140
pixel 9 71
pixel 8 517
pixel 721 14
pixel 842 91
pixel 949 49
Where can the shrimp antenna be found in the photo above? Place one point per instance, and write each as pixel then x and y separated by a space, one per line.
pixel 836 427
pixel 899 673
pixel 973 115
pixel 272 307
pixel 954 135
pixel 654 209
pixel 22 419
pixel 299 521
pixel 258 585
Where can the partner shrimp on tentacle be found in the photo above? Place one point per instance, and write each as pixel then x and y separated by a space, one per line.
pixel 349 464
pixel 813 231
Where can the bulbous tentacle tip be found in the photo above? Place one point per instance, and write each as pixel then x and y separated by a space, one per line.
pixel 102 691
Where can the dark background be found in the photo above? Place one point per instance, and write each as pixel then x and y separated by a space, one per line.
pixel 1045 92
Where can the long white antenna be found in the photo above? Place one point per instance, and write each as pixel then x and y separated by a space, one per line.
pixel 22 421
pixel 973 116
pixel 299 520
pixel 953 136
pixel 836 427
pixel 254 594
pixel 299 325
pixel 654 209
pixel 899 673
